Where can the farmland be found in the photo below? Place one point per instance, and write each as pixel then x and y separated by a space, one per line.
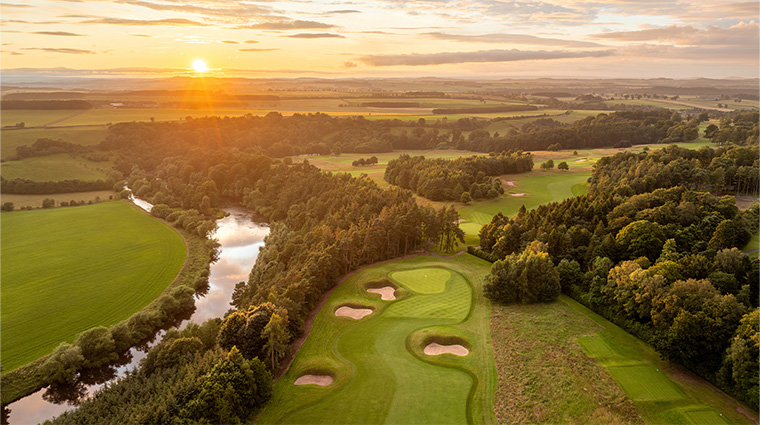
pixel 379 371
pixel 67 270
pixel 54 168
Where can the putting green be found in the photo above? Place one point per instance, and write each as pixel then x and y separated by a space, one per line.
pixel 423 281
pixel 380 372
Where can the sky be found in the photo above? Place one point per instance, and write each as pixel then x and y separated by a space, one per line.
pixel 385 38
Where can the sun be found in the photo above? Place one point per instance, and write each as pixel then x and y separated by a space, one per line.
pixel 199 65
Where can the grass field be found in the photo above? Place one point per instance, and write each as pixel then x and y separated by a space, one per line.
pixel 67 270
pixel 753 244
pixel 35 201
pixel 86 136
pixel 32 118
pixel 380 373
pixel 54 168
pixel 562 363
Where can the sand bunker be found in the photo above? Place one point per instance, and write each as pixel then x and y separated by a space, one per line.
pixel 354 313
pixel 517 194
pixel 434 349
pixel 580 160
pixel 386 294
pixel 321 380
pixel 510 183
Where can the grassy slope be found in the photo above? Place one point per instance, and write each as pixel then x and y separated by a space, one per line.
pixel 69 269
pixel 54 168
pixel 35 201
pixel 380 372
pixel 32 118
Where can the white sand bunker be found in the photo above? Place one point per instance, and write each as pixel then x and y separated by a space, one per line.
pixel 386 293
pixel 434 349
pixel 321 380
pixel 354 313
pixel 517 194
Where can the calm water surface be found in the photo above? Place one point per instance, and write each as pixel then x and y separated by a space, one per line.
pixel 240 240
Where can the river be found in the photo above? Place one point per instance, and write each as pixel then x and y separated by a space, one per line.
pixel 240 239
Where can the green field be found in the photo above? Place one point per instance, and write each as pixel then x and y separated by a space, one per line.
pixel 86 136
pixel 54 168
pixel 33 117
pixel 35 201
pixel 380 373
pixel 67 270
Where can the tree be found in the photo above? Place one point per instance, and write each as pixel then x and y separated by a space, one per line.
pixel 277 337
pixel 563 166
pixel 465 199
pixel 642 239
pixel 548 165
pixel 97 347
pixel 48 203
pixel 528 277
pixel 7 206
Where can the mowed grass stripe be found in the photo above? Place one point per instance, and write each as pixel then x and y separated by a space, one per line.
pixel 705 416
pixel 67 270
pixel 645 382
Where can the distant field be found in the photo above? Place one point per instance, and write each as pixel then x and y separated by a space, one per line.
pixel 380 372
pixel 66 270
pixel 32 118
pixel 86 136
pixel 54 168
pixel 35 201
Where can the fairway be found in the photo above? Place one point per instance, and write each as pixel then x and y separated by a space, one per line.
pixel 67 270
pixel 380 373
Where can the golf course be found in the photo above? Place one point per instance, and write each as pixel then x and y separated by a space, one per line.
pixel 375 369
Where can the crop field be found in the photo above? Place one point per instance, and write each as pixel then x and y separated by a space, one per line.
pixel 35 201
pixel 562 363
pixel 86 136
pixel 54 168
pixel 66 270
pixel 379 371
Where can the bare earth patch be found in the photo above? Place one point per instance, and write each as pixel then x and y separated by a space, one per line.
pixel 517 194
pixel 387 293
pixel 434 349
pixel 508 183
pixel 354 313
pixel 321 380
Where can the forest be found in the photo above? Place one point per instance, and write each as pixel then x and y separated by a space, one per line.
pixel 462 179
pixel 663 264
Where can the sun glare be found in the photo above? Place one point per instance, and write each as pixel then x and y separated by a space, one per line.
pixel 199 65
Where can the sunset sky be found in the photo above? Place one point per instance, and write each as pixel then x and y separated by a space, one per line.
pixel 477 38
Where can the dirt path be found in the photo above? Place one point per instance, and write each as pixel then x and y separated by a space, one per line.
pixel 61 119
pixel 309 322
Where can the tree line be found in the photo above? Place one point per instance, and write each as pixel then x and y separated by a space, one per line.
pixel 665 265
pixel 461 179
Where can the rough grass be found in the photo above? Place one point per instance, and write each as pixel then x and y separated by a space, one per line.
pixel 85 136
pixel 662 393
pixel 67 270
pixel 55 168
pixel 32 118
pixel 381 375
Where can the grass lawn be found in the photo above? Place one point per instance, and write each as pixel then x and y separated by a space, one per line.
pixel 66 270
pixel 86 136
pixel 54 168
pixel 380 373
pixel 753 244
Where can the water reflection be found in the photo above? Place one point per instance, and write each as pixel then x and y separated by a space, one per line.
pixel 240 239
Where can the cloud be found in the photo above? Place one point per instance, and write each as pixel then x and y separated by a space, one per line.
pixel 256 50
pixel 13 5
pixel 289 25
pixel 61 33
pixel 541 13
pixel 742 33
pixel 139 22
pixel 338 12
pixel 420 59
pixel 349 64
pixel 219 9
pixel 251 42
pixel 61 50
pixel 229 42
pixel 141 35
pixel 315 35
pixel 511 39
